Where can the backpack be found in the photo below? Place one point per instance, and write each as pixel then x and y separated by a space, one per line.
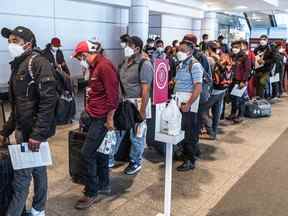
pixel 222 77
pixel 63 80
pixel 207 76
pixel 127 115
pixel 66 106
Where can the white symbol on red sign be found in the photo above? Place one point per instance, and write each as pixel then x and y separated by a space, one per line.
pixel 161 76
pixel 161 79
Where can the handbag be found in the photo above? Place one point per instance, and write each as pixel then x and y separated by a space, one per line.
pixel 108 143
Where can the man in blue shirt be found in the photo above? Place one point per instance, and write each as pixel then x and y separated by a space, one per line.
pixel 189 78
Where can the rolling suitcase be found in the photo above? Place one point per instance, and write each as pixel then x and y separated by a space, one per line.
pixel 76 163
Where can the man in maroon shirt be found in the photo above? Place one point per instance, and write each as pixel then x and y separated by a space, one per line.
pixel 101 104
pixel 241 69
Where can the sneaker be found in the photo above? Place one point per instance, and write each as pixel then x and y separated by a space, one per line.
pixel 34 212
pixel 226 122
pixel 86 202
pixel 208 136
pixel 186 166
pixel 111 164
pixel 238 120
pixel 105 190
pixel 132 169
pixel 231 117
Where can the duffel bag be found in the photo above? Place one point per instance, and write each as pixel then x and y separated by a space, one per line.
pixel 258 109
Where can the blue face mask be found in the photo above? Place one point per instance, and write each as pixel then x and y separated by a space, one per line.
pixel 160 49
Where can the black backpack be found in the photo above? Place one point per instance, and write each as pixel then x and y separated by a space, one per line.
pixel 207 76
pixel 63 80
pixel 66 106
pixel 127 114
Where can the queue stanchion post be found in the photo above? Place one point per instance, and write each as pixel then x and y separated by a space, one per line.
pixel 170 142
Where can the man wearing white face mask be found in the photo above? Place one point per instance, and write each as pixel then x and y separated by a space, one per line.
pixel 124 40
pixel 136 75
pixel 33 99
pixel 240 69
pixel 101 104
pixel 55 55
pixel 189 78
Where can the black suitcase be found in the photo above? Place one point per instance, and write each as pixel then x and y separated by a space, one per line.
pixel 6 178
pixel 76 163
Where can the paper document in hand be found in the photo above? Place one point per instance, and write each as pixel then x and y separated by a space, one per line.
pixel 23 158
pixel 183 97
pixel 238 92
pixel 275 78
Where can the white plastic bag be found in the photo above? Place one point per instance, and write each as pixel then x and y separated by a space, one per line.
pixel 171 119
pixel 108 143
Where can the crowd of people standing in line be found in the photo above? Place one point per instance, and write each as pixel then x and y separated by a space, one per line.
pixel 207 72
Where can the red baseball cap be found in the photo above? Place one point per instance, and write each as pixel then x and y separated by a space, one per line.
pixel 86 46
pixel 56 42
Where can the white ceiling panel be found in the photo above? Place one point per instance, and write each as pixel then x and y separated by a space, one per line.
pixel 247 5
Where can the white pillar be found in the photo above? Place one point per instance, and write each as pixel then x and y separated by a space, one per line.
pixel 197 28
pixel 139 19
pixel 210 25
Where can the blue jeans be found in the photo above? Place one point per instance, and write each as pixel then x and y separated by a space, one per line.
pixel 137 146
pixel 21 183
pixel 97 169
pixel 215 103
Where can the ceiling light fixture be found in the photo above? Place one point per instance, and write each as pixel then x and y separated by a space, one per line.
pixel 241 7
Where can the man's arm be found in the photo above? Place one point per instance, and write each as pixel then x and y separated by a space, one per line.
pixel 46 88
pixel 8 127
pixel 197 77
pixel 146 77
pixel 195 94
pixel 110 80
pixel 144 99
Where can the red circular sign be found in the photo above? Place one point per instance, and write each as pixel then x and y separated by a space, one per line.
pixel 161 76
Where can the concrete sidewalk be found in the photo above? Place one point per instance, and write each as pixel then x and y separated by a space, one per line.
pixel 223 163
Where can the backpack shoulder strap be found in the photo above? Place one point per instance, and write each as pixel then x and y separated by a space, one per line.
pixel 192 62
pixel 30 64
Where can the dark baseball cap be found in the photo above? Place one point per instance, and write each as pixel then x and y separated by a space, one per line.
pixel 190 39
pixel 20 31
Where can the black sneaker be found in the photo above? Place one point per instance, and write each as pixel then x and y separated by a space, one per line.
pixel 105 190
pixel 186 166
pixel 132 169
